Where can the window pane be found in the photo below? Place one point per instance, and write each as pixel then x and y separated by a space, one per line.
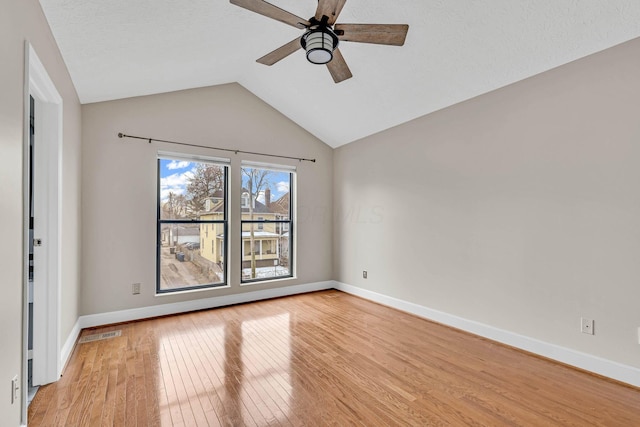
pixel 265 191
pixel 187 259
pixel 265 254
pixel 265 204
pixel 191 224
pixel 189 189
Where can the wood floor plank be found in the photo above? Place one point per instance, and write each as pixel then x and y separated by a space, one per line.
pixel 325 358
pixel 119 416
pixel 172 382
pixel 198 398
pixel 109 405
pixel 98 396
pixel 262 369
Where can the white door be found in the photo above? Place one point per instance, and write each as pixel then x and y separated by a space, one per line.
pixel 45 238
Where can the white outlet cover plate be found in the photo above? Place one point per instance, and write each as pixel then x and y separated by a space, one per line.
pixel 586 325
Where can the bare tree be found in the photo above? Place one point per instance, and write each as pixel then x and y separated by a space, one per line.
pixel 181 205
pixel 175 207
pixel 206 180
pixel 257 181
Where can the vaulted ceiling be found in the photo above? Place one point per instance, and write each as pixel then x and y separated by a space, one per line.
pixel 455 50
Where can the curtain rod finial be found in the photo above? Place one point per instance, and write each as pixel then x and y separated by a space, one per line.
pixel 120 134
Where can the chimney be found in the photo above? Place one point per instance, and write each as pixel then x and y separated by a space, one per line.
pixel 267 197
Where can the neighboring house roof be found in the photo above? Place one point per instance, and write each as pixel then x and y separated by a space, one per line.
pixel 182 230
pixel 213 203
pixel 218 207
pixel 217 194
pixel 258 207
pixel 281 205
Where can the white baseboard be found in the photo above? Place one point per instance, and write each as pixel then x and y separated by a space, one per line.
pixel 598 365
pixel 92 320
pixel 67 348
pixel 588 362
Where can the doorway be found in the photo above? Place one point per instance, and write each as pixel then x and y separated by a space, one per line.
pixel 41 229
pixel 31 388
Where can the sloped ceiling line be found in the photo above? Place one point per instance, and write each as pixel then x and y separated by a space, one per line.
pixel 455 50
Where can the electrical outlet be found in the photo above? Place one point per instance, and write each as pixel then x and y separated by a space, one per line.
pixel 586 325
pixel 135 289
pixel 15 387
pixel 364 274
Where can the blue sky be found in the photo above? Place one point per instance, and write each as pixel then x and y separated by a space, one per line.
pixel 174 176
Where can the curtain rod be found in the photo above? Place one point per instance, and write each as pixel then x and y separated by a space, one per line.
pixel 122 135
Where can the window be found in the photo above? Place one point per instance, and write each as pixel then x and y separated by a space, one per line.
pixel 267 222
pixel 191 203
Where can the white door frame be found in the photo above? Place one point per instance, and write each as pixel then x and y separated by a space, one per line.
pixel 47 261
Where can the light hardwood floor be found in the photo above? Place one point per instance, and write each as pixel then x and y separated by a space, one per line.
pixel 325 358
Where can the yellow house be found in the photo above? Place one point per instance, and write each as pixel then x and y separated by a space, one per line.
pixel 266 236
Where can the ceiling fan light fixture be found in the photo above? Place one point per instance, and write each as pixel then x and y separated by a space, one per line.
pixel 319 43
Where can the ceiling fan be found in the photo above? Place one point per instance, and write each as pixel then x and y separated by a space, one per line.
pixel 322 35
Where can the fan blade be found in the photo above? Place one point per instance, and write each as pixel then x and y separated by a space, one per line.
pixel 392 34
pixel 329 8
pixel 281 52
pixel 271 11
pixel 338 67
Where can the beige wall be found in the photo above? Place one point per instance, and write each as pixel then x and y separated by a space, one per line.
pixel 20 21
pixel 519 209
pixel 119 187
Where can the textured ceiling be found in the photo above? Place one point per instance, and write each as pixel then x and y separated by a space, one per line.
pixel 455 50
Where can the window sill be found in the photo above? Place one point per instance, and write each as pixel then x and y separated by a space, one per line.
pixel 278 279
pixel 190 291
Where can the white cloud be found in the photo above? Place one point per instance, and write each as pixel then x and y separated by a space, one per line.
pixel 174 164
pixel 176 184
pixel 282 186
